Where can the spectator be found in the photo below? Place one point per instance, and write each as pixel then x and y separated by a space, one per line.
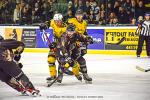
pixel 22 5
pixel 140 9
pixel 10 6
pixel 133 7
pixel 81 6
pixel 111 17
pixel 87 7
pixel 41 10
pixel 45 12
pixel 122 16
pixel 92 18
pixel 133 21
pixel 4 11
pixel 115 21
pixel 51 12
pixel 25 16
pixel 71 7
pixel 96 10
pixel 36 12
pixel 122 2
pixel 75 5
pixel 127 5
pixel 69 15
pixel 102 8
pixel 109 8
pixel 17 14
pixel 140 19
pixel 116 8
pixel 102 18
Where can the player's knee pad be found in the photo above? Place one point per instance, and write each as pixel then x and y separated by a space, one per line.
pixel 75 69
pixel 52 69
pixel 14 85
pixel 83 67
pixel 51 59
pixel 83 50
pixel 24 80
pixel 82 62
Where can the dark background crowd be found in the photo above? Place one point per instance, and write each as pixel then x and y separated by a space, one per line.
pixel 96 12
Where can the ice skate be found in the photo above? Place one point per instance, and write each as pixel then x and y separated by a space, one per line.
pixel 78 77
pixel 87 78
pixel 60 77
pixel 50 79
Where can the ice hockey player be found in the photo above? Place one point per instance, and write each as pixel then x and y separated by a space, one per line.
pixel 58 29
pixel 68 54
pixel 10 72
pixel 81 26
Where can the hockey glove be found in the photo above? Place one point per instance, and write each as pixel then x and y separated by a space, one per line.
pixel 52 45
pixel 43 27
pixel 20 65
pixel 89 39
pixel 69 61
pixel 17 57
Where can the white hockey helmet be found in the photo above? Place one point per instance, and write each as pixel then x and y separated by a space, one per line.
pixel 58 16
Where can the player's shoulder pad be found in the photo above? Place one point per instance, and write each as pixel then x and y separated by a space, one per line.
pixel 71 20
pixel 85 22
pixel 52 23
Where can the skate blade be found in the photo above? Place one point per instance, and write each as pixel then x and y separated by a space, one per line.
pixel 37 95
pixel 25 94
pixel 80 81
pixel 49 82
pixel 88 82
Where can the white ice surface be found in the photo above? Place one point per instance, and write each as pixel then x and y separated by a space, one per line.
pixel 114 78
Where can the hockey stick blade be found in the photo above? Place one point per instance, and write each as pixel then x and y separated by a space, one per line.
pixel 142 69
pixel 50 84
pixel 119 42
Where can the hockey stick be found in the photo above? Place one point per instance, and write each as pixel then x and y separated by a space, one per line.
pixel 119 42
pixel 45 33
pixel 142 69
pixel 24 89
pixel 49 85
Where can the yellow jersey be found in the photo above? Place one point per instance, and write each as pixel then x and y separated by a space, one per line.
pixel 80 26
pixel 58 31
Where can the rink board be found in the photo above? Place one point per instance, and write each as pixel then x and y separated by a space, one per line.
pixel 104 38
pixel 105 52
